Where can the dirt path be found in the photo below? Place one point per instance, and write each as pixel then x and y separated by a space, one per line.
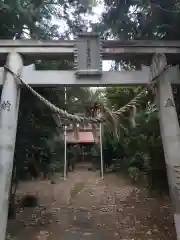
pixel 86 207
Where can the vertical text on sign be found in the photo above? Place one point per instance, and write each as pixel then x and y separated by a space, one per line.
pixel 88 55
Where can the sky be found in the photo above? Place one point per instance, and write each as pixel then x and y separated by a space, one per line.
pixel 97 11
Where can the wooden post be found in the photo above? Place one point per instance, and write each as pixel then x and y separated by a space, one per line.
pixel 65 139
pixel 65 153
pixel 101 152
pixel 170 133
pixel 8 126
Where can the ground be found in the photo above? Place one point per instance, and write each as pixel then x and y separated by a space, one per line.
pixel 89 208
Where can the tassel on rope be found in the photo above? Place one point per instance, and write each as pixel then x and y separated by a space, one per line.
pixel 76 131
pixel 115 127
pixel 155 93
pixel 94 132
pixel 132 116
pixel 111 118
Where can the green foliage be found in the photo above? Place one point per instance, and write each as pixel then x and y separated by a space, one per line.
pixel 146 20
pixel 139 150
pixel 141 19
pixel 133 173
pixel 56 146
pixel 33 19
pixel 22 19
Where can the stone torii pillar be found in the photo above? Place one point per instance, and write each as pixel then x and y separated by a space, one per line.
pixel 170 132
pixel 9 107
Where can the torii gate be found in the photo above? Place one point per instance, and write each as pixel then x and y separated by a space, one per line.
pixel 88 52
